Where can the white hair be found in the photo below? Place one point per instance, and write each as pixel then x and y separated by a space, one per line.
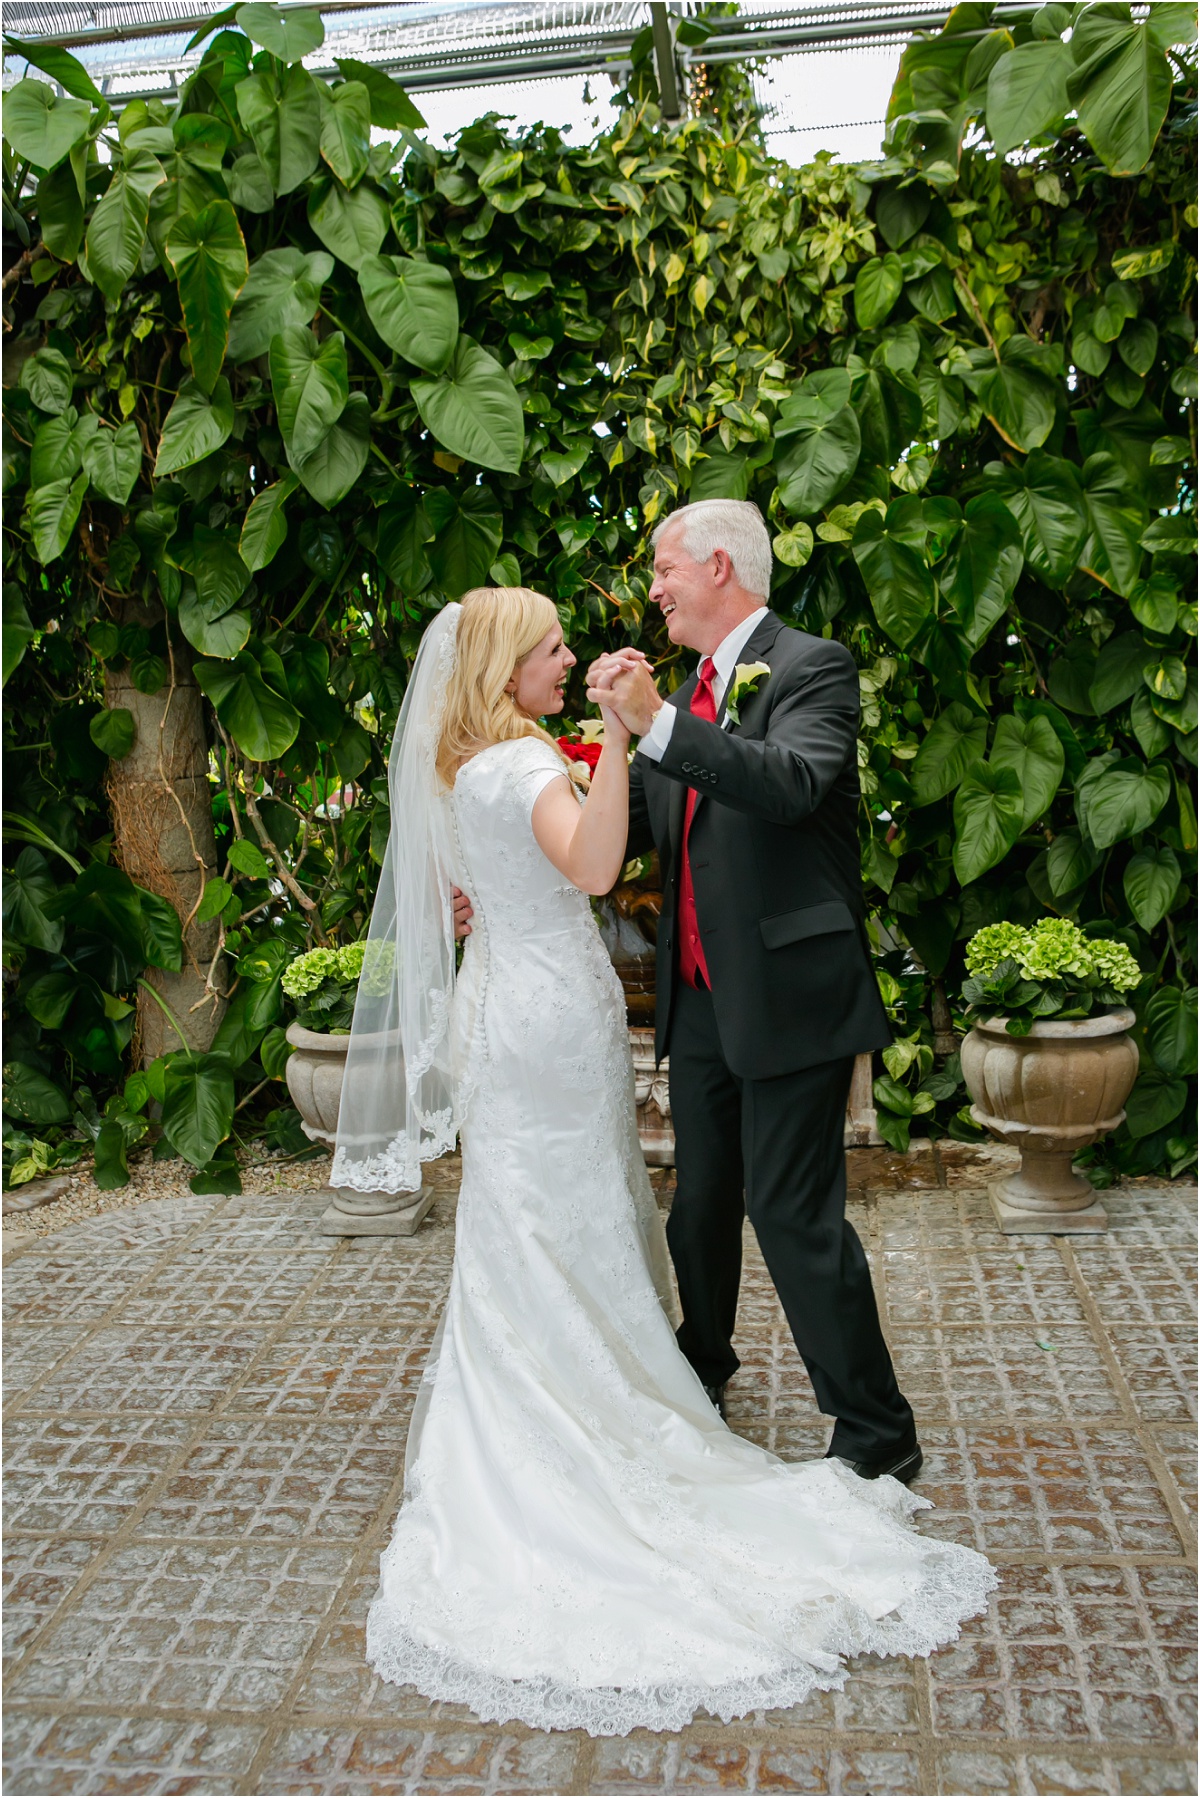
pixel 734 525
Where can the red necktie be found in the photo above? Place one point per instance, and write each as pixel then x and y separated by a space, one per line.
pixel 691 949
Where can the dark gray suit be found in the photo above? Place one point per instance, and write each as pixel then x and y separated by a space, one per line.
pixel 760 1067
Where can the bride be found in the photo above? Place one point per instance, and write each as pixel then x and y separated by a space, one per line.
pixel 583 1543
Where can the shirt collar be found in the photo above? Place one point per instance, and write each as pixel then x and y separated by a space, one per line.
pixel 730 648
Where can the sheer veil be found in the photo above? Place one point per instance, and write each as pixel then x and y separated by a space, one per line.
pixel 398 1094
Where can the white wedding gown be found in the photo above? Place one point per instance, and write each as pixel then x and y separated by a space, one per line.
pixel 583 1543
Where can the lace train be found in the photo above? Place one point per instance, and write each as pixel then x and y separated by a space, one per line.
pixel 932 1617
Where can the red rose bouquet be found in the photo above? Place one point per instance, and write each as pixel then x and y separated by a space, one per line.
pixel 577 751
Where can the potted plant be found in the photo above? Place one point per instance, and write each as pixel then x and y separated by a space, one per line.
pixel 1049 1062
pixel 322 985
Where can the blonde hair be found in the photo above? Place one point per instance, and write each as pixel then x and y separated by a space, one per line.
pixel 499 627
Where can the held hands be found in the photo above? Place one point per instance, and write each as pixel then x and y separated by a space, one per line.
pixel 623 687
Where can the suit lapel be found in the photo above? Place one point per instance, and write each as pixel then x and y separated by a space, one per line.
pixel 754 649
pixel 681 699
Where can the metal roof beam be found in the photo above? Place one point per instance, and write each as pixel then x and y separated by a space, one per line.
pixel 594 48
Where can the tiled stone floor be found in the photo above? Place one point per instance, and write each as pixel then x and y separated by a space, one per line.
pixel 206 1411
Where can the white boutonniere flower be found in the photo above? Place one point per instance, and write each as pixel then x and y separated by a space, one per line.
pixel 746 679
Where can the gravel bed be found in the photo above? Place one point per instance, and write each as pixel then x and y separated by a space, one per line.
pixel 150 1179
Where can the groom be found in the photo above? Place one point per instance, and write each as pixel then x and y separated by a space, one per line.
pixel 746 781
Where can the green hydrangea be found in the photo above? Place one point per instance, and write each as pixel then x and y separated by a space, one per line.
pixel 996 943
pixel 350 960
pixel 1115 966
pixel 310 971
pixel 307 972
pixel 1056 947
pixel 378 959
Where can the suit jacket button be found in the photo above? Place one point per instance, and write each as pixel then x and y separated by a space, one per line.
pixel 687 767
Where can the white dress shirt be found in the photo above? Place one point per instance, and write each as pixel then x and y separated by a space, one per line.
pixel 725 658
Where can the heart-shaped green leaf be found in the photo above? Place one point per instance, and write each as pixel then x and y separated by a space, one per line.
pixel 289 34
pixel 352 222
pixel 60 197
pixel 1171 1030
pixel 283 289
pixel 468 531
pixel 311 384
pixel 403 532
pixel 211 558
pixel 956 741
pixel 877 286
pixel 897 577
pixel 282 113
pixel 53 512
pixel 333 467
pixel 264 530
pixel 113 461
pixel 346 130
pixel 1116 800
pixel 983 566
pixel 1121 86
pixel 391 108
pixel 208 254
pixel 1030 747
pixel 1152 880
pixel 261 722
pixel 1027 93
pixel 474 410
pixel 196 425
pixel 1117 518
pixel 198 1103
pixel 249 183
pixel 1045 497
pixel 414 308
pixel 1118 673
pixel 221 636
pixel 47 378
pixel 113 731
pixel 59 445
pixel 44 127
pixel 117 229
pixel 988 809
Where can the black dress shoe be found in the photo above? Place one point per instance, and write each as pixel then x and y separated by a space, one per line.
pixel 717 1395
pixel 903 1464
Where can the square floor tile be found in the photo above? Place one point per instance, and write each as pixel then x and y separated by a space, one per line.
pixel 83 1474
pixel 151 1370
pixel 281 1476
pixel 191 1627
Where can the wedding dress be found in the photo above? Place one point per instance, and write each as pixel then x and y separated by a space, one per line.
pixel 583 1543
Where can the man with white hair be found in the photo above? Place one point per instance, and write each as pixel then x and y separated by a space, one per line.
pixel 746 780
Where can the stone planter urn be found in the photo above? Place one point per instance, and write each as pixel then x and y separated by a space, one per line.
pixel 1050 1094
pixel 314 1078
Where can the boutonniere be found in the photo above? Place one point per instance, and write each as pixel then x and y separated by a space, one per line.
pixel 746 679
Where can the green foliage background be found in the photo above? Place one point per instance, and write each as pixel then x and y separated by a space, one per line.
pixel 275 392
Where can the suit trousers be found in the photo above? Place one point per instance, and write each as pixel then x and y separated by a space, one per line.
pixel 773 1150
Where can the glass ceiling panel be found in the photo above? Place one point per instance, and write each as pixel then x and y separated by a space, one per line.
pixel 824 85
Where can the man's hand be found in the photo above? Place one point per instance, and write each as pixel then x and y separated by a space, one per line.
pixel 463 912
pixel 605 669
pixel 629 691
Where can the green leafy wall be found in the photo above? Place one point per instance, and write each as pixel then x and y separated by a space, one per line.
pixel 275 392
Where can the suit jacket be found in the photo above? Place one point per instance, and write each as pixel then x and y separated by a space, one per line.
pixel 775 860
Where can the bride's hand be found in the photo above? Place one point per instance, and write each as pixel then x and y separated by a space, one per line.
pixel 616 733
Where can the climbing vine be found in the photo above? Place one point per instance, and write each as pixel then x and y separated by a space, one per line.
pixel 281 379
